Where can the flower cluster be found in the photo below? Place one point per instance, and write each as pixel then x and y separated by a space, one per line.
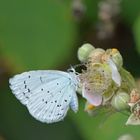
pixel 105 83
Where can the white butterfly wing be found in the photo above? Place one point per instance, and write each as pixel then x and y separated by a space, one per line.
pixel 74 103
pixel 47 94
pixel 24 84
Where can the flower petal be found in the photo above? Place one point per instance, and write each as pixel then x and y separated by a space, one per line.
pixel 133 120
pixel 93 98
pixel 115 74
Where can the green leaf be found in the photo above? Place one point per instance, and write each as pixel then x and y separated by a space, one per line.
pixel 103 126
pixel 136 31
pixel 91 10
pixel 36 34
pixel 130 10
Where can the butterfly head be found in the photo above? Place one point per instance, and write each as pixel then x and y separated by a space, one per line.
pixel 71 70
pixel 74 76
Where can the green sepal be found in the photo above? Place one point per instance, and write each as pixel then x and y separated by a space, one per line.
pixel 128 82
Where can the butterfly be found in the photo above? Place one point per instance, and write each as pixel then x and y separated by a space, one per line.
pixel 47 94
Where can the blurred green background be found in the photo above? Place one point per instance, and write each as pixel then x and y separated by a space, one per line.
pixel 46 34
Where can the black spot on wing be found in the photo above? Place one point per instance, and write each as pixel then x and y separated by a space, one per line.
pixel 25 86
pixel 59 114
pixel 27 97
pixel 65 100
pixel 29 90
pixel 41 79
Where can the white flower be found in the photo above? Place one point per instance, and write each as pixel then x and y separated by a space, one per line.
pixel 97 80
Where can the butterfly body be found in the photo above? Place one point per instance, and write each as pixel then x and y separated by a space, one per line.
pixel 48 94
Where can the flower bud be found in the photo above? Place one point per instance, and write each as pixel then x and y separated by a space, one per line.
pixel 84 51
pixel 120 101
pixel 96 55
